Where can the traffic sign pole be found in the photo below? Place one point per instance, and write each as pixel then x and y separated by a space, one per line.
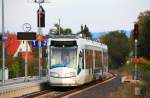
pixel 26 62
pixel 39 31
pixel 136 36
pixel 26 28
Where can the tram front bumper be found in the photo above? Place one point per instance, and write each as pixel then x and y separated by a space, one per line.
pixel 56 81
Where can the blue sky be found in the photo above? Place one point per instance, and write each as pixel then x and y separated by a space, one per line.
pixel 99 15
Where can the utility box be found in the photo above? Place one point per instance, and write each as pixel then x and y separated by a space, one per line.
pixel 5 73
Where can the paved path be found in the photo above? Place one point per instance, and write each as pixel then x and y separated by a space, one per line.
pixel 101 90
pixel 21 80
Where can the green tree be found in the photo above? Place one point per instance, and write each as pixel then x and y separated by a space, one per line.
pixel 85 31
pixel 32 67
pixel 144 38
pixel 118 47
pixel 62 30
pixel 67 31
pixel 15 69
pixel 21 63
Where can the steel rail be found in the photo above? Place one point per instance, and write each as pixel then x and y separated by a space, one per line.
pixel 50 93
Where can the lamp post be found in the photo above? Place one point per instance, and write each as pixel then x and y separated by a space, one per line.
pixel 41 16
pixel 39 41
pixel 3 44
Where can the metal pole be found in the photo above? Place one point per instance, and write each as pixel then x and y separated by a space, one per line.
pixel 3 44
pixel 106 60
pixel 26 63
pixel 102 61
pixel 39 31
pixel 59 26
pixel 135 67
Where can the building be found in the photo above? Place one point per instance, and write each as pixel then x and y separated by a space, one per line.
pixel 14 46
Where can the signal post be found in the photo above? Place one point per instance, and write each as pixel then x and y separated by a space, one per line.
pixel 136 36
pixel 40 24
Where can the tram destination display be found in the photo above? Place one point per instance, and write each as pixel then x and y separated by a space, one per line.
pixel 63 43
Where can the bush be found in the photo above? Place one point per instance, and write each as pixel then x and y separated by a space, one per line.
pixel 144 69
pixel 14 72
pixel 31 68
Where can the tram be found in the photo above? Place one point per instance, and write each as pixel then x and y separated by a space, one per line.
pixel 74 61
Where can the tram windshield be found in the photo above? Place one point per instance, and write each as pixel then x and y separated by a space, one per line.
pixel 63 57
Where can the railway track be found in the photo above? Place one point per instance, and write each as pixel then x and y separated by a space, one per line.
pixel 61 92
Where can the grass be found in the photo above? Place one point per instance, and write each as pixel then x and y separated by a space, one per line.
pixel 126 90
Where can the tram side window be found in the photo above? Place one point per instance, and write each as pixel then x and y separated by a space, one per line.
pixel 105 60
pixel 81 59
pixel 89 59
pixel 98 59
pixel 86 59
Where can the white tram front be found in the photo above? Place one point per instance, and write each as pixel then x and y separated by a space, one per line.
pixel 73 61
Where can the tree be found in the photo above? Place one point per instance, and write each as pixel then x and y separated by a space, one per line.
pixel 31 67
pixel 55 30
pixel 118 47
pixel 62 30
pixel 21 63
pixel 85 31
pixel 67 31
pixel 144 38
pixel 15 69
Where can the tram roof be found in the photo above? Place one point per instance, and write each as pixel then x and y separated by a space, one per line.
pixel 80 41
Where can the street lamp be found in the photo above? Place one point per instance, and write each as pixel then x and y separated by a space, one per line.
pixel 40 23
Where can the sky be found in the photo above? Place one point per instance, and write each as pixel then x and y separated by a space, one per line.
pixel 98 15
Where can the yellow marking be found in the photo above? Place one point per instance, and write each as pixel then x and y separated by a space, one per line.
pixel 39 37
pixel 80 91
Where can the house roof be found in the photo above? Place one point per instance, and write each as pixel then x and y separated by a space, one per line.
pixel 30 56
pixel 13 44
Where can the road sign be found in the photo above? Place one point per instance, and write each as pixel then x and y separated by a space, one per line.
pixel 39 37
pixel 44 43
pixel 35 43
pixel 3 37
pixel 26 36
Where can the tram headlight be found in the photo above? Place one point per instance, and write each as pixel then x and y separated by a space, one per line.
pixel 54 74
pixel 71 74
